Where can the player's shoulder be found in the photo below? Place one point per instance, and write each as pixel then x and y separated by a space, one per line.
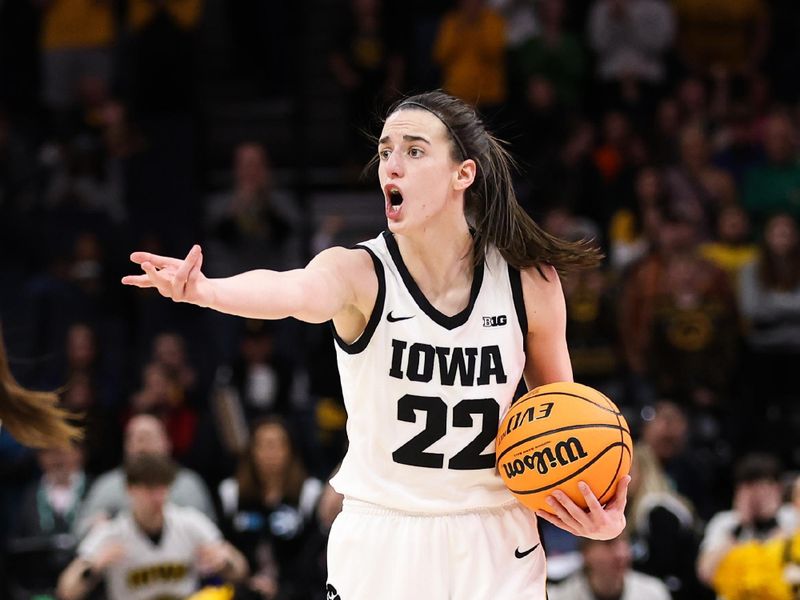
pixel 344 260
pixel 542 292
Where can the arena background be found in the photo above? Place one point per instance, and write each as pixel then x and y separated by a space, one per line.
pixel 666 130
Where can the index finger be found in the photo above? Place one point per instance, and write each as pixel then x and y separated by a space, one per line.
pixel 592 503
pixel 156 260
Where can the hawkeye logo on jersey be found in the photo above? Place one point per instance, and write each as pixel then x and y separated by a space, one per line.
pixel 497 321
pixel 472 366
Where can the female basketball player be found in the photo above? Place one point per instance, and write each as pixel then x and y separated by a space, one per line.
pixel 32 418
pixel 435 322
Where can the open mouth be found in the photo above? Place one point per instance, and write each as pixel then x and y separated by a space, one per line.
pixel 395 199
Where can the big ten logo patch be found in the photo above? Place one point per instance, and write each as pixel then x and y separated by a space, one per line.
pixel 331 593
pixel 496 321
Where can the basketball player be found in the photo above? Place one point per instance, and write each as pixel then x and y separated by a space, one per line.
pixel 435 322
pixel 32 418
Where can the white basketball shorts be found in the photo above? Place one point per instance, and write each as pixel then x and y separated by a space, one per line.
pixel 379 554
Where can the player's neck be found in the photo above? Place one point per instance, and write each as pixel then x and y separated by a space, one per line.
pixel 439 257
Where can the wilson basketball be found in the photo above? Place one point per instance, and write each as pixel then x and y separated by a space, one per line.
pixel 557 435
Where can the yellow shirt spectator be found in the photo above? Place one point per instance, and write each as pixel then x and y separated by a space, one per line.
pixel 471 52
pixel 68 24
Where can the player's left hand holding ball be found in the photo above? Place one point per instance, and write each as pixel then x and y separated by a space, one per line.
pixel 595 522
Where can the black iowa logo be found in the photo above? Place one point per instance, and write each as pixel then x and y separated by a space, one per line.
pixel 563 454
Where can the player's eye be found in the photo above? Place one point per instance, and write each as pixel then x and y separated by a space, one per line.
pixel 384 154
pixel 415 152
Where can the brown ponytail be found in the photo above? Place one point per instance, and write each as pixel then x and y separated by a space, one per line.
pixel 33 418
pixel 491 205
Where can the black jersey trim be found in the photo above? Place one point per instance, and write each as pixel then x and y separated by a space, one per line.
pixel 438 317
pixel 377 311
pixel 515 277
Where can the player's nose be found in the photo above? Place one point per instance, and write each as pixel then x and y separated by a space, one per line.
pixel 394 165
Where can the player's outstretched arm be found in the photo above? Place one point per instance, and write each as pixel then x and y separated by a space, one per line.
pixel 316 293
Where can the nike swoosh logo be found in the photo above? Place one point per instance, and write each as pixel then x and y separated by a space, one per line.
pixel 392 319
pixel 519 554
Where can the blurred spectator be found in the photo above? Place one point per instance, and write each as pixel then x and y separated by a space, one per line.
pixel 270 508
pixel 769 294
pixel 592 332
pixel 617 158
pixel 102 432
pixel 156 549
pixel 646 283
pixel 633 231
pixel 42 543
pixel 169 351
pixel 255 225
pixel 722 34
pixel 522 20
pixel 470 48
pixel 259 380
pixel 79 186
pixel 775 185
pixel 368 64
pixel 76 40
pixel 162 396
pixel 144 434
pixel 630 38
pixel 755 514
pixel 694 338
pixel 662 522
pixel 554 58
pixel 737 151
pixel 695 186
pixel 732 247
pixel 668 461
pixel 607 573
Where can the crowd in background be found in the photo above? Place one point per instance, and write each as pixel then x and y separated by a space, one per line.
pixel 666 130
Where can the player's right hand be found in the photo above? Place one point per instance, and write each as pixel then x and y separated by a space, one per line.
pixel 181 280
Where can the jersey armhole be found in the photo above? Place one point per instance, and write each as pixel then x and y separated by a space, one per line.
pixel 377 311
pixel 515 278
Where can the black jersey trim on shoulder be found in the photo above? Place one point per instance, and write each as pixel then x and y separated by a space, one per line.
pixel 438 317
pixel 515 277
pixel 377 311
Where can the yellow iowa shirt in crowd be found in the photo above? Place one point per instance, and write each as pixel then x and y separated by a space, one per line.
pixel 69 24
pixel 718 32
pixel 185 13
pixel 472 56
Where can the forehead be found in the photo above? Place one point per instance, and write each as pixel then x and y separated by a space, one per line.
pixel 410 121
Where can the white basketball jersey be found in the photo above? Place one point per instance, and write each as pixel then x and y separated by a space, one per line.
pixel 149 570
pixel 425 392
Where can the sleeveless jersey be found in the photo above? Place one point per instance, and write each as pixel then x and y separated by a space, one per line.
pixel 425 392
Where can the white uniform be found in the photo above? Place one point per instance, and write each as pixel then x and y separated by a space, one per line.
pixel 426 514
pixel 164 570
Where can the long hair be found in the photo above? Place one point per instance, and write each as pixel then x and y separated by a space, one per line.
pixel 490 203
pixel 251 486
pixel 33 418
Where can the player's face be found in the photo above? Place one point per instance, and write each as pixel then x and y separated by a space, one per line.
pixel 416 169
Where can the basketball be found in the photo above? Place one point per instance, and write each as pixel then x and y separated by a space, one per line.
pixel 557 435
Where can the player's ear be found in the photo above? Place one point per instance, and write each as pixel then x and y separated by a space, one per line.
pixel 465 174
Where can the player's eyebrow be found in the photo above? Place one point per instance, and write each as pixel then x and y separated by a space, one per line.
pixel 406 138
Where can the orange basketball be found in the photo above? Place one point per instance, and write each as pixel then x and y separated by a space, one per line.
pixel 557 435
